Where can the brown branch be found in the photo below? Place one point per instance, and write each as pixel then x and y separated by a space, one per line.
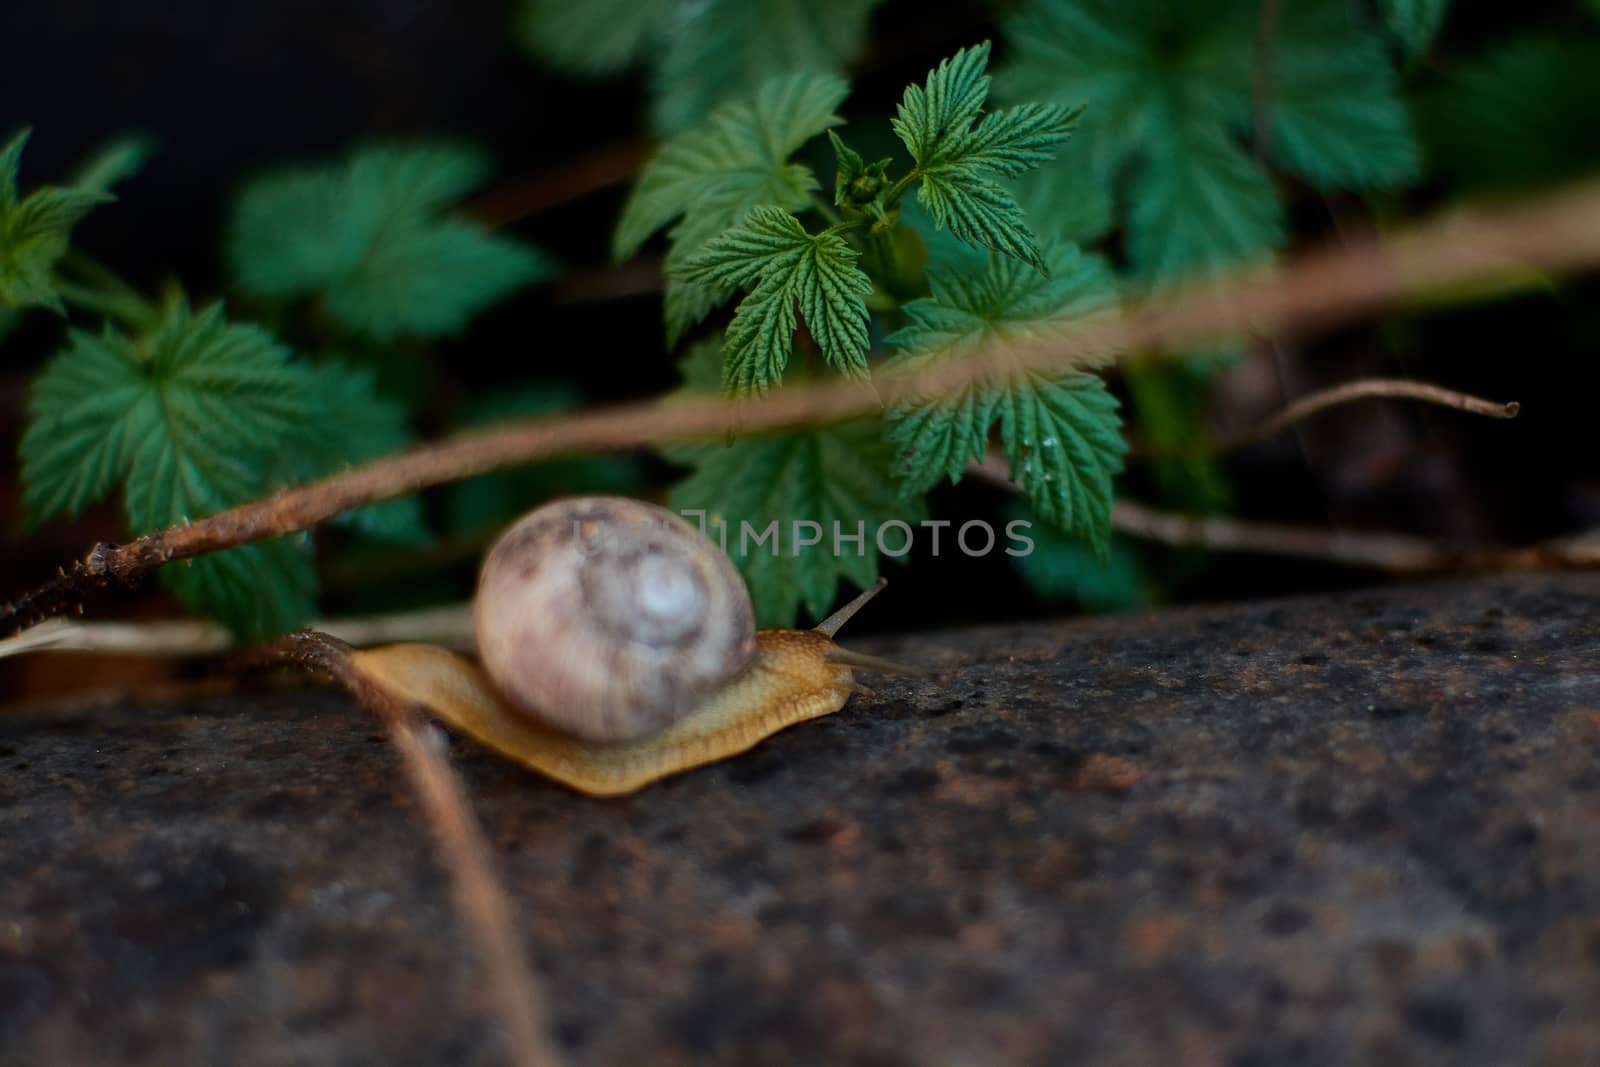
pixel 450 625
pixel 1322 400
pixel 1394 553
pixel 1560 231
pixel 517 200
pixel 480 899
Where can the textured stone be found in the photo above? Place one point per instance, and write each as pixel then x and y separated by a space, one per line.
pixel 1358 829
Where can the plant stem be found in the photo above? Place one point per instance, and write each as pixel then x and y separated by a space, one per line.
pixel 131 311
pixel 898 189
pixel 827 211
pixel 106 293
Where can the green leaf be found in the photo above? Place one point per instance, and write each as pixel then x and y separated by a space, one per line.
pixel 430 279
pixel 1060 430
pixel 34 232
pixel 192 417
pixel 709 178
pixel 851 168
pixel 738 159
pixel 980 212
pixel 789 266
pixel 721 50
pixel 595 38
pixel 942 110
pixel 91 405
pixel 1337 117
pixel 355 424
pixel 1064 440
pixel 1063 200
pixel 1199 203
pixel 1170 87
pixel 257 590
pixel 1414 23
pixel 369 237
pixel 1057 567
pixel 116 162
pixel 836 477
pixel 1534 92
pixel 953 149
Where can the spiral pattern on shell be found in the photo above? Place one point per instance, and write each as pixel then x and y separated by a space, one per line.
pixel 609 618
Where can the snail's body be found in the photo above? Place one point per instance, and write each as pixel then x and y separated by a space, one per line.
pixel 618 647
pixel 790 681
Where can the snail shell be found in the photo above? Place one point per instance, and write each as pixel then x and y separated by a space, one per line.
pixel 619 647
pixel 610 619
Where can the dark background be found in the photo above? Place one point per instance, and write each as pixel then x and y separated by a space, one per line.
pixel 229 89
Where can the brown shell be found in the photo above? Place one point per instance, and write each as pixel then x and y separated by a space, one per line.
pixel 609 618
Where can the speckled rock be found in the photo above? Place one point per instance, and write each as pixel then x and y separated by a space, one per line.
pixel 1360 829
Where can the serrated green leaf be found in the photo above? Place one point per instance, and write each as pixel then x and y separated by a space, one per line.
pixel 355 424
pixel 737 160
pixel 368 236
pixel 815 271
pixel 594 38
pixel 90 406
pixel 257 590
pixel 1414 23
pixel 1152 74
pixel 1064 440
pixel 34 232
pixel 1199 203
pixel 1337 117
pixel 980 212
pixel 939 124
pixel 1060 431
pixel 827 475
pixel 429 280
pixel 940 111
pixel 192 417
pixel 721 50
pixel 709 178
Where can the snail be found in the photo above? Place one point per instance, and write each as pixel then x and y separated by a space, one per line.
pixel 617 645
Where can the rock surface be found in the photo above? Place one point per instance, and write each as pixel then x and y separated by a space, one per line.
pixel 1359 829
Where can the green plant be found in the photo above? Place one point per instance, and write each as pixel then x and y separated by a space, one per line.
pixel 189 412
pixel 1171 139
pixel 859 289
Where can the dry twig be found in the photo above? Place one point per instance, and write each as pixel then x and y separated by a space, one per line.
pixel 1320 401
pixel 480 899
pixel 1394 553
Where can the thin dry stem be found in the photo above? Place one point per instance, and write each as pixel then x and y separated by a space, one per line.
pixel 1394 553
pixel 1560 231
pixel 586 174
pixel 481 901
pixel 450 625
pixel 1320 401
